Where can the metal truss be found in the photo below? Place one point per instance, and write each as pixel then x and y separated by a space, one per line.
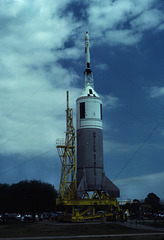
pixel 66 151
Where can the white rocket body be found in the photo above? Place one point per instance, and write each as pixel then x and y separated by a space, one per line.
pixel 90 167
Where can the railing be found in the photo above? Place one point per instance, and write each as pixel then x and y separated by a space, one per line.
pixel 60 141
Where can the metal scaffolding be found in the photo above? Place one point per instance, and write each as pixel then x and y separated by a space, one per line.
pixel 66 151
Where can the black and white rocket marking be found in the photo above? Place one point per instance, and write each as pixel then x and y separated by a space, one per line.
pixel 90 167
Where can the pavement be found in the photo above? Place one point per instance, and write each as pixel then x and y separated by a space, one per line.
pixel 138 225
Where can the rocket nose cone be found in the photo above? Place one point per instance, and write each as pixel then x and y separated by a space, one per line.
pixel 88 91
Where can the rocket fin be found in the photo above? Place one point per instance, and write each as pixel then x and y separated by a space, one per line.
pixel 111 188
pixel 82 186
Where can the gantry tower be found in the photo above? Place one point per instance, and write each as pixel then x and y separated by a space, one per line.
pixel 66 151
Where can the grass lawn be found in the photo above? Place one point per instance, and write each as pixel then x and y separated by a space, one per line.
pixel 51 229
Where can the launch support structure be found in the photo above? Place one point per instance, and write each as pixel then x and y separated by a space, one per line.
pixel 85 192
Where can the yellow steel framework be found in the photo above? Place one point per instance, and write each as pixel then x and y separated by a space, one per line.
pixel 98 204
pixel 66 151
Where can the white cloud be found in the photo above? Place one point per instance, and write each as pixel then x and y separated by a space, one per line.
pixel 110 101
pixel 123 21
pixel 161 27
pixel 118 147
pixel 155 92
pixel 139 187
pixel 37 124
pixel 102 66
pixel 33 84
pixel 148 20
pixel 126 37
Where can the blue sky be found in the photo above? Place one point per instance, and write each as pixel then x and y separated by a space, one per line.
pixel 42 56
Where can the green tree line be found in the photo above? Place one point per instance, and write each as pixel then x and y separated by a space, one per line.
pixel 27 196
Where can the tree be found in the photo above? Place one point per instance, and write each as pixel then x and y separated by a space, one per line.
pixel 153 200
pixel 28 196
pixel 4 191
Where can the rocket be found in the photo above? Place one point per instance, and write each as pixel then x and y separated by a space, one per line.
pixel 89 127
